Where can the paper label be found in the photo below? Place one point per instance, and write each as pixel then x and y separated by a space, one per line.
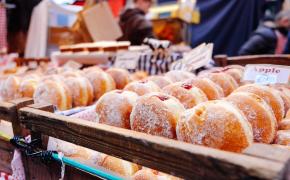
pixel 267 74
pixel 127 59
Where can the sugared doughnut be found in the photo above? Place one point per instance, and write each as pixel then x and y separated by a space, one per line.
pixel 161 81
pixel 217 124
pixel 9 88
pixel 81 90
pixel 101 82
pixel 283 137
pixel 285 94
pixel 211 89
pixel 53 92
pixel 148 174
pixel 284 124
pixel 27 87
pixel 120 166
pixel 114 108
pixel 258 113
pixel 156 114
pixel 178 76
pixel 139 75
pixel 242 68
pixel 187 94
pixel 142 87
pixel 237 74
pixel 120 76
pixel 225 81
pixel 72 74
pixel 271 96
pixel 91 69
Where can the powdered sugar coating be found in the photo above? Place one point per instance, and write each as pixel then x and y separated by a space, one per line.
pixel 178 76
pixel 161 81
pixel 212 90
pixel 154 116
pixel 258 113
pixel 284 124
pixel 142 87
pixel 9 88
pixel 217 124
pixel 114 108
pixel 270 95
pixel 120 76
pixel 188 97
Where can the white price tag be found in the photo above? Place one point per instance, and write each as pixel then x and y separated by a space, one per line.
pixel 267 74
pixel 264 79
pixel 127 59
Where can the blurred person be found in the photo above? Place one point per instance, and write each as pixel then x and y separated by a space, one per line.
pixel 134 25
pixel 270 37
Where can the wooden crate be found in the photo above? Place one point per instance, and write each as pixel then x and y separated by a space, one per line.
pixel 9 113
pixel 223 60
pixel 260 161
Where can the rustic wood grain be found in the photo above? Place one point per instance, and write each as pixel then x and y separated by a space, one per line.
pixel 169 156
pixel 5 109
pixel 223 60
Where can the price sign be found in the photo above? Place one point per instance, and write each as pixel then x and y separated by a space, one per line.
pixel 267 74
pixel 127 59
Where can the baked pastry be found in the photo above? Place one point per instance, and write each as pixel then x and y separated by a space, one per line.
pixel 27 87
pixel 120 76
pixel 81 90
pixel 114 108
pixel 178 76
pixel 283 137
pixel 187 94
pixel 237 74
pixel 271 96
pixel 139 75
pixel 101 82
pixel 285 95
pixel 75 73
pixel 142 87
pixel 225 81
pixel 161 81
pixel 53 92
pixel 149 174
pixel 258 113
pixel 217 124
pixel 284 124
pixel 91 69
pixel 156 114
pixel 211 89
pixel 119 166
pixel 235 66
pixel 9 88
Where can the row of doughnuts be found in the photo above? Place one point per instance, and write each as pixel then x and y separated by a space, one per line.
pixel 99 160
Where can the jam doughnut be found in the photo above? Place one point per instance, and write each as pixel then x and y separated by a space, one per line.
pixel 101 82
pixel 161 81
pixel 156 114
pixel 177 76
pixel 120 76
pixel 9 88
pixel 271 96
pixel 288 114
pixel 81 90
pixel 211 89
pixel 27 87
pixel 139 75
pixel 119 166
pixel 114 108
pixel 217 124
pixel 285 95
pixel 53 92
pixel 142 87
pixel 225 81
pixel 91 69
pixel 237 74
pixel 187 94
pixel 258 113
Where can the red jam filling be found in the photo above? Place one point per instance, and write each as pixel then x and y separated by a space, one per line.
pixel 162 98
pixel 186 86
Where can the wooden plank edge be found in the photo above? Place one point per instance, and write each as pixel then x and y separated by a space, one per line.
pixel 176 158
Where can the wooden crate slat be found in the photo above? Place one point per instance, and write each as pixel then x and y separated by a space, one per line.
pixel 170 156
pixel 223 60
pixel 5 109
